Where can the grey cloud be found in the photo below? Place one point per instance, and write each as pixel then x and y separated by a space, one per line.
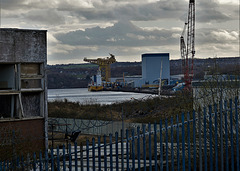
pixel 136 12
pixel 48 16
pixel 211 11
pixel 11 4
pixel 217 36
pixel 123 33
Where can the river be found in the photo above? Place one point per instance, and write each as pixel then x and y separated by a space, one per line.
pixel 83 96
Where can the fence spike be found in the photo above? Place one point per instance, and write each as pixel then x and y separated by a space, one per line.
pixel 216 136
pixel 93 153
pixel 183 142
pixel 226 135
pixel 172 151
pixel 178 158
pixel 166 141
pixel 116 149
pixel 237 132
pixel 155 146
pixel 205 138
pixel 231 128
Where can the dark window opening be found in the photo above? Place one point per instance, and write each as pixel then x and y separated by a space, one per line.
pixel 7 106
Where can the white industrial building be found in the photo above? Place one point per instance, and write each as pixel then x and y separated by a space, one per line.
pixel 151 68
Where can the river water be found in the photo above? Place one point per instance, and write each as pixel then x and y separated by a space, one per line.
pixel 83 96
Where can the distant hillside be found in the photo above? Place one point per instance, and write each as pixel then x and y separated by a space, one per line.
pixel 78 75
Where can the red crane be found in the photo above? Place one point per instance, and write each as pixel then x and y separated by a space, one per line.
pixel 188 52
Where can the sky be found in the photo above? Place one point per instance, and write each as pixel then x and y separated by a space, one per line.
pixel 125 28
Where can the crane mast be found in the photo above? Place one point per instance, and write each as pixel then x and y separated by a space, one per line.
pixel 188 52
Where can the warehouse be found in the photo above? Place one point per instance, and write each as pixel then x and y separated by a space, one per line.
pixel 152 65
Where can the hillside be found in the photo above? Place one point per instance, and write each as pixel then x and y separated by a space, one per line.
pixel 78 75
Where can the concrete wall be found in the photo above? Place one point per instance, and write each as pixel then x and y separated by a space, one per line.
pixel 17 45
pixel 23 85
pixel 21 136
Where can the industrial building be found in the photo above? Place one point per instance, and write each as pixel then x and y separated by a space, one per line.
pixel 152 65
pixel 23 90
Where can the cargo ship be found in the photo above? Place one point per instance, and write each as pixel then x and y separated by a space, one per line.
pixel 96 84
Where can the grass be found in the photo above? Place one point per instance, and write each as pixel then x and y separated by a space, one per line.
pixel 143 111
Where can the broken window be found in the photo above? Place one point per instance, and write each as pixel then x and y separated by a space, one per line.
pixel 21 90
pixel 29 69
pixel 7 77
pixel 31 104
pixel 31 77
pixel 8 106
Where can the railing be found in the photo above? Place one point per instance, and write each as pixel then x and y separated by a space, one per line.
pixel 200 140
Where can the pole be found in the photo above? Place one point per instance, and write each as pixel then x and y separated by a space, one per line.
pixel 160 82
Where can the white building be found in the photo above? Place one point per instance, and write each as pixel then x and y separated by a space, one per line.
pixel 151 68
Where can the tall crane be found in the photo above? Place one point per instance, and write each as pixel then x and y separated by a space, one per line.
pixel 104 66
pixel 188 52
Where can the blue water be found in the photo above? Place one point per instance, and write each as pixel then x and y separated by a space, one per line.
pixel 83 96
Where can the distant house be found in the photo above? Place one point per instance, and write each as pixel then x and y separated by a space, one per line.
pixel 23 90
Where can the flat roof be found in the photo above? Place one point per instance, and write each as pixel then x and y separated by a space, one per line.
pixel 19 29
pixel 155 54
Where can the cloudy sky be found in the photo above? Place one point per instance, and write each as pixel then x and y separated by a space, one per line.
pixel 125 28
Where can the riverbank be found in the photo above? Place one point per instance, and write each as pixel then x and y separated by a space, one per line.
pixel 166 90
pixel 145 110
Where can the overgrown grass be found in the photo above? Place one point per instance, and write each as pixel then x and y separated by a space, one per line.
pixel 144 111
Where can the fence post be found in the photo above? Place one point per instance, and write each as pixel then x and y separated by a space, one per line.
pixel 231 128
pixel 93 153
pixel 166 141
pixel 105 152
pixel 216 137
pixel 52 159
pixel 161 146
pixel 81 155
pixel 194 142
pixel 40 161
pixel 64 158
pixel 70 156
pixel 221 133
pixel 178 160
pixel 226 134
pixel 237 138
pixel 110 144
pixel 144 147
pixel 155 146
pixel 133 150
pixel 127 149
pixel 99 153
pixel 183 142
pixel 87 152
pixel 46 159
pixel 76 157
pixel 116 148
pixel 149 146
pixel 34 161
pixel 138 148
pixel 200 138
pixel 188 141
pixel 205 138
pixel 210 138
pixel 122 151
pixel 172 152
pixel 58 159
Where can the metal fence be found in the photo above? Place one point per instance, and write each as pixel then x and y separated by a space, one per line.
pixel 198 140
